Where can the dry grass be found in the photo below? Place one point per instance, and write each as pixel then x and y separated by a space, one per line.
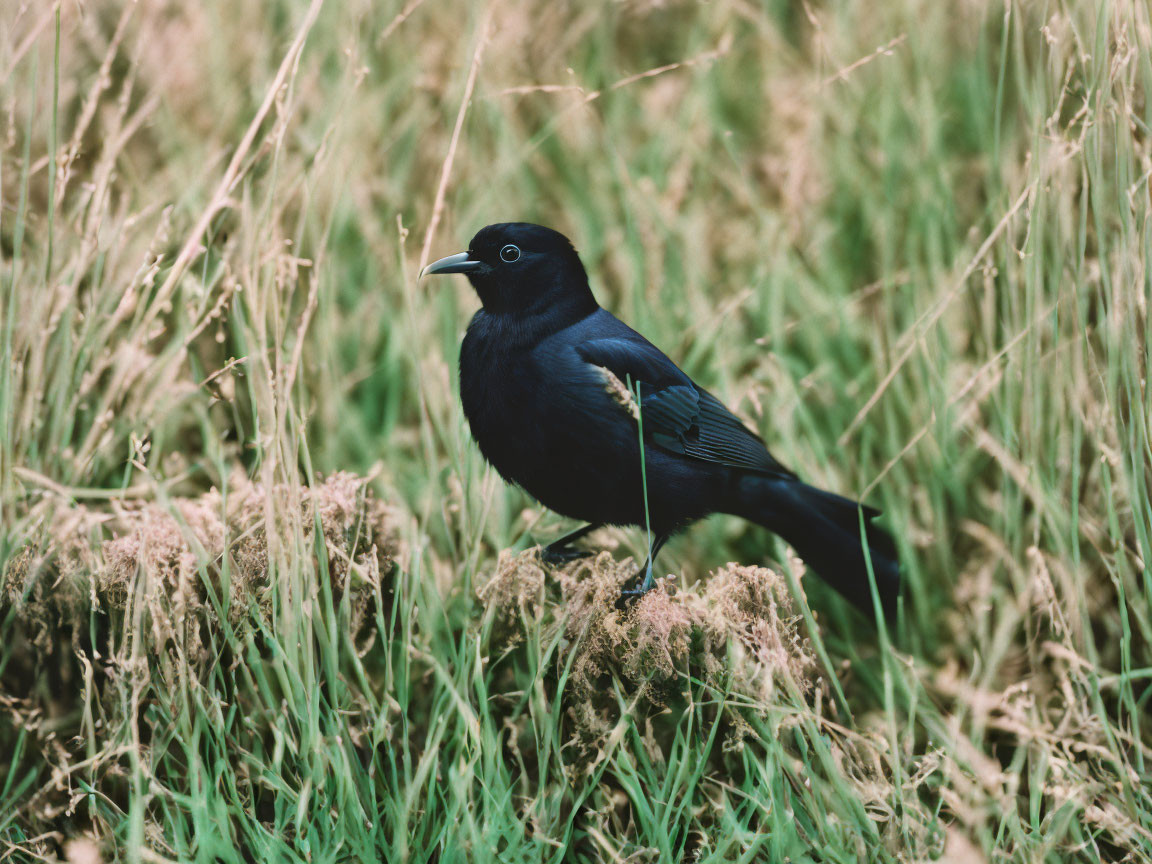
pixel 910 244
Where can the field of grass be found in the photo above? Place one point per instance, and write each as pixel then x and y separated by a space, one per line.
pixel 261 599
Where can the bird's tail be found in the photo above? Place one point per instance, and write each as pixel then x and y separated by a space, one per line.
pixel 824 529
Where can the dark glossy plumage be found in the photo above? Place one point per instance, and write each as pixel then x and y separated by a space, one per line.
pixel 544 380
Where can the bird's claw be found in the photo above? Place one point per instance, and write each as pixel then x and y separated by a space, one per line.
pixel 554 555
pixel 630 595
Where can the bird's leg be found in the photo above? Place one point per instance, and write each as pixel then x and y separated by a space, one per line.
pixel 649 577
pixel 559 551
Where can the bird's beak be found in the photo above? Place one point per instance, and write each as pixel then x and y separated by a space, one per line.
pixel 458 263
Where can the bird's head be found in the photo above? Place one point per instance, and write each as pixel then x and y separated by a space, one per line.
pixel 521 268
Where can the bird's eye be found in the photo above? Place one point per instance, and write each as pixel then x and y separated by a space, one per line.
pixel 510 253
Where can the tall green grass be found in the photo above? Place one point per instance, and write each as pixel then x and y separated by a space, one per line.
pixel 908 243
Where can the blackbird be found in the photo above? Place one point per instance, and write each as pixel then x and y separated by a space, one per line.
pixel 563 398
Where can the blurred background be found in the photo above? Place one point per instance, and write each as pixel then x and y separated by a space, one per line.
pixel 907 242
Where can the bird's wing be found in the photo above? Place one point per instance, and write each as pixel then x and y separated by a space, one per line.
pixel 676 414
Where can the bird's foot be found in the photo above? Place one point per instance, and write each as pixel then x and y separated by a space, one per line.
pixel 561 553
pixel 630 595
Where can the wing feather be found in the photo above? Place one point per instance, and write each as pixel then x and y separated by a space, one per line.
pixel 677 415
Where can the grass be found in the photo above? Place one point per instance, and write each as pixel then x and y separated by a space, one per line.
pixel 261 598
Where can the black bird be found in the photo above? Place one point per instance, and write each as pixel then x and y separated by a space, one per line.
pixel 556 391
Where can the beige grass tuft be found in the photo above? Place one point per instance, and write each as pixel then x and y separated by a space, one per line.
pixel 173 556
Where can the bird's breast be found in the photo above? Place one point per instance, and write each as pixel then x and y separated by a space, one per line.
pixel 540 418
pixel 505 397
pixel 497 391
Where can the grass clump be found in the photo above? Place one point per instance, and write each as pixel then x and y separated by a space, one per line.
pixel 136 610
pixel 192 561
pixel 700 694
